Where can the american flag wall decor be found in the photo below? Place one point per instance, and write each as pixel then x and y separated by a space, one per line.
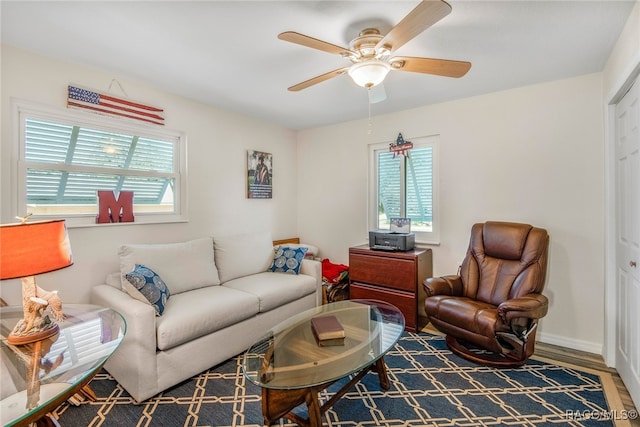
pixel 105 103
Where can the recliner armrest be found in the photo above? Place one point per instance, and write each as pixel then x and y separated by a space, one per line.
pixel 445 285
pixel 533 306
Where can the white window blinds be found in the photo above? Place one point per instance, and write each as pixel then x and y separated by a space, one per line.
pixel 66 160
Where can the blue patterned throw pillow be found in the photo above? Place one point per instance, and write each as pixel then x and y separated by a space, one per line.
pixel 288 260
pixel 145 285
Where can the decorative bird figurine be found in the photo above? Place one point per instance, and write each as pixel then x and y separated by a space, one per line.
pixel 23 219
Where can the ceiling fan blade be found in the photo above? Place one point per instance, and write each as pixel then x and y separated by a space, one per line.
pixel 318 79
pixel 427 13
pixel 377 94
pixel 439 67
pixel 301 39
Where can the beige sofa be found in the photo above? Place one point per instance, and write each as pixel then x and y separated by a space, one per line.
pixel 223 297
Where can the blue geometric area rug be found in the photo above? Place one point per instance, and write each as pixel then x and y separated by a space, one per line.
pixel 430 386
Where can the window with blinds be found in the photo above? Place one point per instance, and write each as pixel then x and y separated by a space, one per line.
pixel 404 187
pixel 65 160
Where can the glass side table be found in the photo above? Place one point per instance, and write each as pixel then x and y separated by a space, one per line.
pixel 38 377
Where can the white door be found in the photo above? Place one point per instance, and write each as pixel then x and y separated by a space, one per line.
pixel 628 240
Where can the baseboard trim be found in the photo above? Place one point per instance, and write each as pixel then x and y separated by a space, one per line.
pixel 580 345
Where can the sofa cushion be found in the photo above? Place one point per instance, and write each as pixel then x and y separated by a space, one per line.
pixel 182 266
pixel 145 285
pixel 243 254
pixel 190 315
pixel 287 259
pixel 274 289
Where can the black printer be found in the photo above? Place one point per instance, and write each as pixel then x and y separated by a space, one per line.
pixel 386 240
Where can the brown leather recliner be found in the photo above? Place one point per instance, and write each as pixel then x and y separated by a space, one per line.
pixel 490 310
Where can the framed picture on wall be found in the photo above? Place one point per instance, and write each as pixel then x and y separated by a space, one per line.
pixel 259 175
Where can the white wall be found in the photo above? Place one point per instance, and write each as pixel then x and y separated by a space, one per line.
pixel 532 154
pixel 216 152
pixel 625 57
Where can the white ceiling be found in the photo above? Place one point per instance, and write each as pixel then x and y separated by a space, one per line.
pixel 227 54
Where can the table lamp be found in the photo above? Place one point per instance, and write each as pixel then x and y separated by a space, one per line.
pixel 27 250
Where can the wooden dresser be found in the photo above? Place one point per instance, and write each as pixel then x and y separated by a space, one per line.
pixel 394 277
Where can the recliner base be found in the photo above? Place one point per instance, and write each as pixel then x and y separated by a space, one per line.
pixel 483 357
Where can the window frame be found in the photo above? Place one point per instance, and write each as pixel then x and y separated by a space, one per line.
pixel 423 237
pixel 22 109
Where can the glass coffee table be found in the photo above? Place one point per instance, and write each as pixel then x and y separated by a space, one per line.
pixel 38 377
pixel 292 368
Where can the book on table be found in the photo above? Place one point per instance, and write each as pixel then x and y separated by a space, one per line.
pixel 327 330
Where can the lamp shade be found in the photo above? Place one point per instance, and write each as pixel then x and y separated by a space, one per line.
pixel 370 73
pixel 33 248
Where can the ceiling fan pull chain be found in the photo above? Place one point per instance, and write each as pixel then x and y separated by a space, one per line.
pixel 370 130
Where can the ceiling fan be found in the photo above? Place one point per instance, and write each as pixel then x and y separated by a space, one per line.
pixel 371 52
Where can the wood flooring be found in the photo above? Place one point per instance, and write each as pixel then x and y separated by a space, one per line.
pixel 591 361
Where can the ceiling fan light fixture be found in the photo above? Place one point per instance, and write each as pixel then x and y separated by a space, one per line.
pixel 369 73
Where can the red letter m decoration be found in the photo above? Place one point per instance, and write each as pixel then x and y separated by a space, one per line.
pixel 111 209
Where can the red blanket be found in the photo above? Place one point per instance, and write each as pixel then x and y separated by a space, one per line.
pixel 334 273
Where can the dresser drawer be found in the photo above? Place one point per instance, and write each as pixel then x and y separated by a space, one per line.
pixel 405 302
pixel 393 273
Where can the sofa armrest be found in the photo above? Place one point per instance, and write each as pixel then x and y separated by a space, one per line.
pixel 314 269
pixel 140 317
pixel 133 364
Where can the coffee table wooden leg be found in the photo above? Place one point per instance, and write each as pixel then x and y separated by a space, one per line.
pixel 313 408
pixel 381 369
pixel 47 421
pixel 279 403
pixel 88 393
